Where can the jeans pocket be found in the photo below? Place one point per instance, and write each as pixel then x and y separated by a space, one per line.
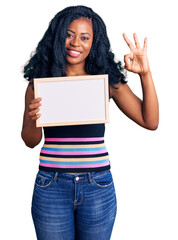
pixel 103 180
pixel 43 179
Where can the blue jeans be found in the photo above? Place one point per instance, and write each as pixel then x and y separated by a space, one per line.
pixel 74 206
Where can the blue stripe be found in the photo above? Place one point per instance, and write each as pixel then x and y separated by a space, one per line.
pixel 73 149
pixel 74 163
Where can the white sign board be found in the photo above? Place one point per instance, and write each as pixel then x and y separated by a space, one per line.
pixel 73 100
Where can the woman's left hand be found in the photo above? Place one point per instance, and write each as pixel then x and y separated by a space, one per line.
pixel 136 61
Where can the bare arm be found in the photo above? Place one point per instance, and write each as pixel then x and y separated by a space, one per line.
pixel 150 106
pixel 31 135
pixel 144 112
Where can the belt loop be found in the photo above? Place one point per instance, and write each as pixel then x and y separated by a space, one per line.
pixel 55 176
pixel 89 177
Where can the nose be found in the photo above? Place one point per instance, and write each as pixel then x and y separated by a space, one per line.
pixel 75 42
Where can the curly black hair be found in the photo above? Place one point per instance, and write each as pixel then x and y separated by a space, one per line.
pixel 50 56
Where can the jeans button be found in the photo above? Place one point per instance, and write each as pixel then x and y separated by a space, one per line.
pixel 77 178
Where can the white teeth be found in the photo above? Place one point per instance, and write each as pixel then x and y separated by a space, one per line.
pixel 74 52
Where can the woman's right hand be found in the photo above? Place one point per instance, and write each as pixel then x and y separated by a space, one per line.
pixel 34 108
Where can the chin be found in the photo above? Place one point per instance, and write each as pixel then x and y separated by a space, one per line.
pixel 74 61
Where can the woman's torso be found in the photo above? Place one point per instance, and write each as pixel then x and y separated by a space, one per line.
pixel 74 149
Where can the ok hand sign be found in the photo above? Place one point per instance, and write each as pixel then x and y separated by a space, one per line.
pixel 136 61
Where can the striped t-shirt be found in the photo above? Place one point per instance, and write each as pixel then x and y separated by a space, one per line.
pixel 77 148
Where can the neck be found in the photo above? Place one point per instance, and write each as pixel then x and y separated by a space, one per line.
pixel 75 70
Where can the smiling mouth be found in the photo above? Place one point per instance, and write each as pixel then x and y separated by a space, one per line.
pixel 73 53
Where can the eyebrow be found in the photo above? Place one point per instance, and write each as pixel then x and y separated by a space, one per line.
pixel 81 33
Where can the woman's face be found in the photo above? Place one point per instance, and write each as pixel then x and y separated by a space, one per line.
pixel 79 40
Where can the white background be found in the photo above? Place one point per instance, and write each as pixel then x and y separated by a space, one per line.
pixel 144 163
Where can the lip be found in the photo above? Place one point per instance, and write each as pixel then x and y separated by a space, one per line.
pixel 73 53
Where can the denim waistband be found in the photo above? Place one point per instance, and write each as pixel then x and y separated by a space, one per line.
pixel 75 177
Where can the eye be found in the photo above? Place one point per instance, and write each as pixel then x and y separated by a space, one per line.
pixel 69 35
pixel 84 38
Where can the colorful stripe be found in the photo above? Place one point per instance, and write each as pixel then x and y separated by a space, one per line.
pixel 73 146
pixel 72 149
pixel 74 166
pixel 72 159
pixel 75 163
pixel 89 153
pixel 72 153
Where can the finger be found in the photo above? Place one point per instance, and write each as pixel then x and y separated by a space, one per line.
pixel 36 116
pixel 129 43
pixel 34 112
pixel 36 100
pixel 137 44
pixel 127 59
pixel 35 105
pixel 145 44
